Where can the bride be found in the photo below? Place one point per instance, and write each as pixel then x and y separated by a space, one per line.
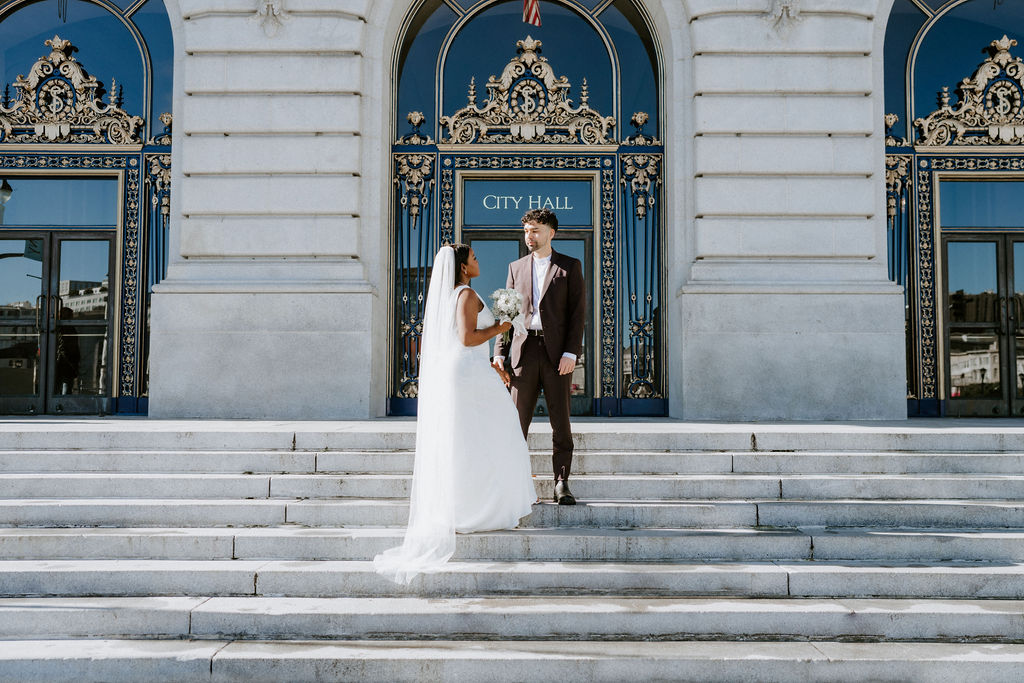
pixel 472 467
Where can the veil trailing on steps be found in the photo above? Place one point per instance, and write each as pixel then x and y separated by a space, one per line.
pixel 430 537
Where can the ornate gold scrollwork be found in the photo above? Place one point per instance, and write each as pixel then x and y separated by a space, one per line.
pixel 58 102
pixel 640 171
pixel 897 166
pixel 639 120
pixel 991 106
pixel 415 119
pixel 528 104
pixel 413 172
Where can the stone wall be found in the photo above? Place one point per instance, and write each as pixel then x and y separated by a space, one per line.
pixel 275 304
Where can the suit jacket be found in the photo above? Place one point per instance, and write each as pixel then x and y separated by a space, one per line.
pixel 562 307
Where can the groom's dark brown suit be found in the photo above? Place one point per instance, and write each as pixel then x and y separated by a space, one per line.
pixel 534 358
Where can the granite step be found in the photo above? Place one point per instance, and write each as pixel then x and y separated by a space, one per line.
pixel 157 661
pixel 616 461
pixel 299 543
pixel 515 618
pixel 139 578
pixel 354 512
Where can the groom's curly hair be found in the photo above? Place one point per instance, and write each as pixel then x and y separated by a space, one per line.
pixel 545 216
pixel 461 258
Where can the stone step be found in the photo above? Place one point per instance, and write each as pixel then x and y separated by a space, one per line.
pixel 614 486
pixel 354 512
pixel 584 462
pixel 156 661
pixel 596 434
pixel 137 578
pixel 517 618
pixel 566 544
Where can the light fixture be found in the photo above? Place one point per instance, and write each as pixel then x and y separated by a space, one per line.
pixel 5 192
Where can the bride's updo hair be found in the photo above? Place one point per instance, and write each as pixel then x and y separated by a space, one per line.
pixel 461 258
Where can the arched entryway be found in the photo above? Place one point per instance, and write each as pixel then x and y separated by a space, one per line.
pixel 495 116
pixel 84 200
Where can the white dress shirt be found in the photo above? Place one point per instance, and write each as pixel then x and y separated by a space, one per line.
pixel 540 274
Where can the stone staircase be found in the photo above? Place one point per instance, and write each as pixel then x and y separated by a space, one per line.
pixel 156 550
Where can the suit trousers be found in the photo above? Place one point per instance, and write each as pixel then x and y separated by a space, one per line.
pixel 536 372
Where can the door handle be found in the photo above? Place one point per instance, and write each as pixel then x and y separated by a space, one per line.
pixel 55 313
pixel 1000 315
pixel 39 308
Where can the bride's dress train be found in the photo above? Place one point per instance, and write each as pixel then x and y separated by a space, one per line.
pixel 472 469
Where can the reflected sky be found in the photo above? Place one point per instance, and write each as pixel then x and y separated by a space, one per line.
pixel 61 202
pixel 972 267
pixel 22 267
pixel 981 204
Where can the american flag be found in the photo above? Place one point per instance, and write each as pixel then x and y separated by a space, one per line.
pixel 531 12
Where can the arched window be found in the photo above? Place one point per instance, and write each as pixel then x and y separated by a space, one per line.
pixel 954 101
pixel 492 114
pixel 84 199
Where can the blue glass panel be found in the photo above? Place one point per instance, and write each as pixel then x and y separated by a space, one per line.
pixel 62 202
pixel 106 48
pixel 502 203
pixel 494 257
pixel 981 204
pixel 972 273
pixel 955 46
pixel 905 20
pixel 488 41
pixel 152 21
pixel 417 65
pixel 21 277
pixel 638 65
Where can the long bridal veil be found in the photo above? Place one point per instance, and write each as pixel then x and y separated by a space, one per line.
pixel 430 537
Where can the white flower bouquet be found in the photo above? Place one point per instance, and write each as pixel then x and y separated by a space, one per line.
pixel 508 307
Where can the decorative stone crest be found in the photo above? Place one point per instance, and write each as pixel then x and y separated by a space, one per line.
pixel 271 15
pixel 415 119
pixel 638 121
pixel 59 102
pixel 527 104
pixel 783 14
pixel 990 110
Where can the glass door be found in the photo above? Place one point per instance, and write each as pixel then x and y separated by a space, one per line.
pixel 55 329
pixel 984 303
pixel 496 249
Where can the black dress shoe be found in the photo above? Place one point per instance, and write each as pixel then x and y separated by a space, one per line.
pixel 562 494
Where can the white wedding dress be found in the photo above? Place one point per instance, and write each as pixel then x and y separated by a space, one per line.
pixel 472 468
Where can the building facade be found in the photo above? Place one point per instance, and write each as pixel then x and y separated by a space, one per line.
pixel 746 182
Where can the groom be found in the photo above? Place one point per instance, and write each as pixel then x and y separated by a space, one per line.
pixel 554 303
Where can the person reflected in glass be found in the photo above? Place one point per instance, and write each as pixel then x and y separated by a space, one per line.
pixel 68 355
pixel 472 467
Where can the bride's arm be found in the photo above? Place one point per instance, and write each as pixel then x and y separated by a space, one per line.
pixel 468 308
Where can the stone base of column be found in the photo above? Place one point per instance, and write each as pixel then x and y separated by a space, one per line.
pixel 263 354
pixel 793 353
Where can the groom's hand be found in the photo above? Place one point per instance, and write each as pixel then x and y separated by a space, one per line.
pixel 566 365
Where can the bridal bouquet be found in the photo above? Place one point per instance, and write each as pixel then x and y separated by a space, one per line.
pixel 508 307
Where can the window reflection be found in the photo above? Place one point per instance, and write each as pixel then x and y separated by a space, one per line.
pixel 981 204
pixel 21 277
pixel 61 202
pixel 972 286
pixel 974 366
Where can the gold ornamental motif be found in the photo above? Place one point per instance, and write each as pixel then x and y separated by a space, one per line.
pixel 991 106
pixel 59 102
pixel 528 104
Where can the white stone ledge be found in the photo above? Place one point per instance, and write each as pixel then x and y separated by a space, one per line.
pixel 256 236
pixel 784 113
pixel 195 8
pixel 784 154
pixel 785 237
pixel 785 196
pixel 310 73
pixel 270 194
pixel 705 8
pixel 814 33
pixel 782 73
pixel 218 33
pixel 309 154
pixel 270 113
